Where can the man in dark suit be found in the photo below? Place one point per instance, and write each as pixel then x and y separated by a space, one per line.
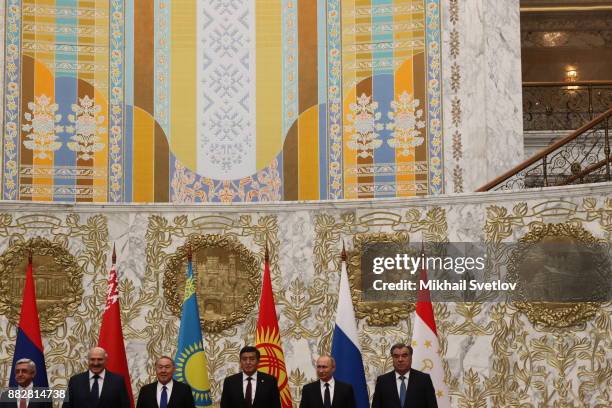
pixel 25 371
pixel 165 392
pixel 250 388
pixel 404 387
pixel 327 392
pixel 97 387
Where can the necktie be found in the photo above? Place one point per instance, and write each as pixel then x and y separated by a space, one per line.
pixel 22 403
pixel 402 390
pixel 327 399
pixel 163 400
pixel 248 398
pixel 95 390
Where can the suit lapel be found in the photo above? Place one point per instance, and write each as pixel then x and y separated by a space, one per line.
pixel 105 387
pixel 258 387
pixel 393 389
pixel 239 389
pixel 154 394
pixel 172 396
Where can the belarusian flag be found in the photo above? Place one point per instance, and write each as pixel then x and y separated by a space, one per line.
pixel 426 347
pixel 268 341
pixel 111 334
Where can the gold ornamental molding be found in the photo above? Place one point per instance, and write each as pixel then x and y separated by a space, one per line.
pixel 538 273
pixel 379 312
pixel 57 278
pixel 227 276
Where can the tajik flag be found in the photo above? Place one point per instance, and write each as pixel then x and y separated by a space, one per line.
pixel 426 347
pixel 111 334
pixel 268 340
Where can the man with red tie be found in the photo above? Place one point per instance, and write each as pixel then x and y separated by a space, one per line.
pixel 25 371
pixel 250 388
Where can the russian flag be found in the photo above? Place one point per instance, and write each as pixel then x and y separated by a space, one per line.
pixel 345 343
pixel 29 343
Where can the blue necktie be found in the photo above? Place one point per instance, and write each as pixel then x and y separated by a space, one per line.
pixel 163 400
pixel 402 390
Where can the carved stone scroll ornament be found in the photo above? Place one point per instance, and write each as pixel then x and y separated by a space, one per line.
pixel 376 313
pixel 227 275
pixel 540 274
pixel 57 279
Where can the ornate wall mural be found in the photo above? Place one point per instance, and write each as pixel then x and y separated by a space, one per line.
pixel 158 101
pixel 496 354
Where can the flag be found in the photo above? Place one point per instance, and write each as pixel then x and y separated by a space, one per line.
pixel 29 342
pixel 345 343
pixel 268 341
pixel 426 347
pixel 190 360
pixel 111 334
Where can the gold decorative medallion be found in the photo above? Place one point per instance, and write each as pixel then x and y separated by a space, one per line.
pixel 561 274
pixel 227 280
pixel 57 278
pixel 379 312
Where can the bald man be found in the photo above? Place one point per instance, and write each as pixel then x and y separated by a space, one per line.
pixel 327 392
pixel 96 387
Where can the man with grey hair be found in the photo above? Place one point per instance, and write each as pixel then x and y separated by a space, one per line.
pixel 25 371
pixel 96 387
pixel 327 392
pixel 165 392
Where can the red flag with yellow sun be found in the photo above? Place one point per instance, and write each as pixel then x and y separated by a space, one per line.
pixel 268 341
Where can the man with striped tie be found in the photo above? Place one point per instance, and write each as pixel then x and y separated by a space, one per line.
pixel 165 392
pixel 404 387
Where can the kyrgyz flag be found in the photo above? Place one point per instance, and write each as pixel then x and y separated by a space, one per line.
pixel 190 360
pixel 29 343
pixel 268 340
pixel 111 334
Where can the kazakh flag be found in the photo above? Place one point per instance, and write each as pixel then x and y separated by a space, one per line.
pixel 191 365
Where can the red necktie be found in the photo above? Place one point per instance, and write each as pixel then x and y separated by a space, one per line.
pixel 248 398
pixel 22 403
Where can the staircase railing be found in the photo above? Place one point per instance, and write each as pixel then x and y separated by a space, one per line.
pixel 563 105
pixel 581 157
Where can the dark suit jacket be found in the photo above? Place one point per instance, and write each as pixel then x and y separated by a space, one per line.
pixel 344 397
pixel 420 392
pixel 114 394
pixel 4 403
pixel 181 396
pixel 266 392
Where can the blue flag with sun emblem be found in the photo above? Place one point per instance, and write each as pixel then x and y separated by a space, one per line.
pixel 191 365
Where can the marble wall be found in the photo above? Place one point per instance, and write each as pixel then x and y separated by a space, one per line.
pixel 483 124
pixel 495 354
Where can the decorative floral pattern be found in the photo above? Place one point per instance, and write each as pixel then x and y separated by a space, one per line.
pixel 364 126
pixel 406 122
pixel 42 127
pixel 85 126
pixel 334 100
pixel 116 122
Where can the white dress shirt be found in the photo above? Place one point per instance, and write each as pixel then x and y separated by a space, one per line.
pixel 253 385
pixel 399 382
pixel 168 390
pixel 29 387
pixel 100 381
pixel 331 383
